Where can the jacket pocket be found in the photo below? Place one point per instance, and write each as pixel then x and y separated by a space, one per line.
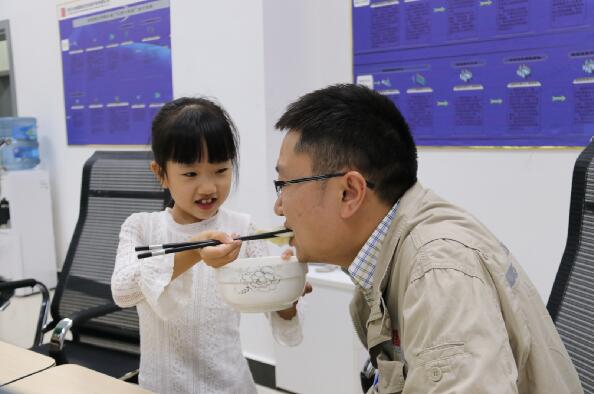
pixel 438 361
pixel 391 376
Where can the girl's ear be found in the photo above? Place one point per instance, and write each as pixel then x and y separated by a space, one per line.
pixel 159 173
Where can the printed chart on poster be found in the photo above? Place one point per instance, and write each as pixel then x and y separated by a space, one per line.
pixel 116 66
pixel 482 72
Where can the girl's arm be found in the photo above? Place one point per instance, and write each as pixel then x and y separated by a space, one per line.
pixel 134 280
pixel 158 280
pixel 126 277
pixel 149 280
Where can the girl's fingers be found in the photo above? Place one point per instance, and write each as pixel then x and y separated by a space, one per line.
pixel 235 255
pixel 307 288
pixel 211 234
pixel 217 252
pixel 287 253
pixel 217 256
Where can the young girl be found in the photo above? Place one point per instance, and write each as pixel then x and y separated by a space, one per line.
pixel 189 338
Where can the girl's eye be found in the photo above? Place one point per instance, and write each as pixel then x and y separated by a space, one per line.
pixel 189 174
pixel 222 170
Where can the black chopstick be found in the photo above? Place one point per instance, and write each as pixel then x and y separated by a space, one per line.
pixel 158 250
pixel 163 246
pixel 180 244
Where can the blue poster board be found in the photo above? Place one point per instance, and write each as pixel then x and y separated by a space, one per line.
pixel 482 72
pixel 116 65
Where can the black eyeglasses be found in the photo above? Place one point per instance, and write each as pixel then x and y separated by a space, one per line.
pixel 278 185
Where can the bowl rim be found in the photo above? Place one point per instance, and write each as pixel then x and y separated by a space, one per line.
pixel 260 261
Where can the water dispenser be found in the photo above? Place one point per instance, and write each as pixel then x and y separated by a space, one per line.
pixel 19 149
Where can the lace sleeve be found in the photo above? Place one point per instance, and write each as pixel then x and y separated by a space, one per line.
pixel 134 280
pixel 256 248
pixel 288 332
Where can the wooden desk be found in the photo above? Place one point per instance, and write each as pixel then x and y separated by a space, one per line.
pixel 72 379
pixel 16 363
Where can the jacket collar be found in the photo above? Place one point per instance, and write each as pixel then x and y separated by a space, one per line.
pixel 407 207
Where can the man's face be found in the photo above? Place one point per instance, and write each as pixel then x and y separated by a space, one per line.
pixel 310 208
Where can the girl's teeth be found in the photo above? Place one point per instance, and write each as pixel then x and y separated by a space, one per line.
pixel 206 201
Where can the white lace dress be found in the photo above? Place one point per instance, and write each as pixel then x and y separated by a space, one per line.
pixel 189 337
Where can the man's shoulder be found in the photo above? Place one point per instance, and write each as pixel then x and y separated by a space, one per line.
pixel 434 218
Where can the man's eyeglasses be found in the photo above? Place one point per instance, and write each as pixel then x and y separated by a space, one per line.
pixel 278 185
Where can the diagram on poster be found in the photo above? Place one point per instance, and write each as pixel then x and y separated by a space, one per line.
pixel 482 72
pixel 116 67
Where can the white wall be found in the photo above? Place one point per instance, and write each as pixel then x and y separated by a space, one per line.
pixel 36 60
pixel 256 56
pixel 217 51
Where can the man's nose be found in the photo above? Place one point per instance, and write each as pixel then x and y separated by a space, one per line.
pixel 278 207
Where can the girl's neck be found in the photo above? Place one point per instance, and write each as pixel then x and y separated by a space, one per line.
pixel 181 217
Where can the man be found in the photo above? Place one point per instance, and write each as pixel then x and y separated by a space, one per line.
pixel 440 303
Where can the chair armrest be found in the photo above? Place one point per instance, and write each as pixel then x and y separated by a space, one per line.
pixel 91 313
pixel 59 334
pixel 62 328
pixel 17 284
pixel 44 310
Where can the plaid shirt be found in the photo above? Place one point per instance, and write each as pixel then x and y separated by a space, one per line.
pixel 362 268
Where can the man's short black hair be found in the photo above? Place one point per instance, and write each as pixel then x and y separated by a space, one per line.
pixel 351 127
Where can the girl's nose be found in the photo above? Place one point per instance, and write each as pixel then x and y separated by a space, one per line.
pixel 207 187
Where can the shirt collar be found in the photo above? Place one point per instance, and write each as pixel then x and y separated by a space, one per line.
pixel 362 268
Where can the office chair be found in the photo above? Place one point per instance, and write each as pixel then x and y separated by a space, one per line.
pixel 105 337
pixel 571 304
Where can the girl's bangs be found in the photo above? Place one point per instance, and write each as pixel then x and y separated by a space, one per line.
pixel 213 137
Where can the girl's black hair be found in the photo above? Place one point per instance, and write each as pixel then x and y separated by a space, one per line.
pixel 184 127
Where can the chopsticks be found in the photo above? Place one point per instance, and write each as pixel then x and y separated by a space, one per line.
pixel 159 250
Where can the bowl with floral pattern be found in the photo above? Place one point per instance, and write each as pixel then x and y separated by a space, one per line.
pixel 261 284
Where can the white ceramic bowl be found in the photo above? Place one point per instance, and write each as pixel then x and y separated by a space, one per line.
pixel 262 284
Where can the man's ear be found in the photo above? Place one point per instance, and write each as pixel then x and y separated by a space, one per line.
pixel 353 193
pixel 159 173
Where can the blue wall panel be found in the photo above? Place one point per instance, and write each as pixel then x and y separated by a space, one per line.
pixel 482 73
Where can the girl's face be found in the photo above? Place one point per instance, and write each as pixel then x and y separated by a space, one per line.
pixel 198 189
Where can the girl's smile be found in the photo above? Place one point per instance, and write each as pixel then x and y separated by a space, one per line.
pixel 206 204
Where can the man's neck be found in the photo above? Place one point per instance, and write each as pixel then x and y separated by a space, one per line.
pixel 361 228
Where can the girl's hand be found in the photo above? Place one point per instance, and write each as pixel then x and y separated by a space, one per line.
pixel 218 256
pixel 287 254
pixel 289 313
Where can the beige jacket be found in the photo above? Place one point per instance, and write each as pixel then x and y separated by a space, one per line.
pixel 463 311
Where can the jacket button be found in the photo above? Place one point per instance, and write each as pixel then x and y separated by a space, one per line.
pixel 435 374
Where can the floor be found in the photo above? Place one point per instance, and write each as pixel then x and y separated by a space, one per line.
pixel 18 320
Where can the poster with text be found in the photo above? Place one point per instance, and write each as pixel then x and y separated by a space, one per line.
pixel 116 67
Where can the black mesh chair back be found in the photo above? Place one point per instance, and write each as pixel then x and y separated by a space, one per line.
pixel 114 185
pixel 571 303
